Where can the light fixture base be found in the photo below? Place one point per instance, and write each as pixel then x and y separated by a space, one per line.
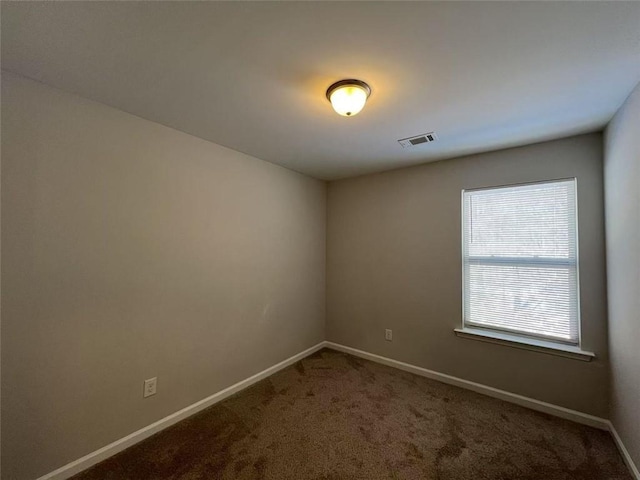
pixel 351 81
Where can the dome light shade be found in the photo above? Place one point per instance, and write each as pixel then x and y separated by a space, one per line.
pixel 348 96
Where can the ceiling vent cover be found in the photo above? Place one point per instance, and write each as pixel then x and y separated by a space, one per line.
pixel 418 140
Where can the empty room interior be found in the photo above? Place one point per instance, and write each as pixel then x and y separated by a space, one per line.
pixel 320 240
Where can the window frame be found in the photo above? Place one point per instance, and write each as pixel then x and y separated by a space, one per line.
pixel 506 334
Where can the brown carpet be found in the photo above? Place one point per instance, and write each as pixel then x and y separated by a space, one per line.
pixel 334 416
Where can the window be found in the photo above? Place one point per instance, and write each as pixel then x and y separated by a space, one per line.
pixel 520 260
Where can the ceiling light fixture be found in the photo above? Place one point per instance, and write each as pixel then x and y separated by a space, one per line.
pixel 348 96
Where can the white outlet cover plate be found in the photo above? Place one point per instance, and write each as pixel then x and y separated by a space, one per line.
pixel 150 387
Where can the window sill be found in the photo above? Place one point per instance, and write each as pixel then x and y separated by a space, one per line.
pixel 532 344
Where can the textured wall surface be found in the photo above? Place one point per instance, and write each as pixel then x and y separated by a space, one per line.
pixel 622 207
pixel 394 261
pixel 131 250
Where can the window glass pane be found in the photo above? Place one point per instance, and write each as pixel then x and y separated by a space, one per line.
pixel 533 300
pixel 531 220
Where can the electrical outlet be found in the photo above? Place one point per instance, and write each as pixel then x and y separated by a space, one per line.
pixel 150 387
pixel 388 335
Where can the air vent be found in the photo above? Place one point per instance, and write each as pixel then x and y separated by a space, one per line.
pixel 418 140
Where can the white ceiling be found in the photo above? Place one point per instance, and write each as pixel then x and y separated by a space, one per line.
pixel 252 75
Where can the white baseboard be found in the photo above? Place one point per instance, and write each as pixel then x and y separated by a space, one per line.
pixel 531 403
pixel 624 452
pixel 107 451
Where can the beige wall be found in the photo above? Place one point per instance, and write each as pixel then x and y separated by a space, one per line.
pixel 622 206
pixel 394 261
pixel 131 250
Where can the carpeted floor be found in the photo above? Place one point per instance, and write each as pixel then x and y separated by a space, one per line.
pixel 333 416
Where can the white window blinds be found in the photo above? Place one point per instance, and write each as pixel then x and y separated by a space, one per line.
pixel 520 260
